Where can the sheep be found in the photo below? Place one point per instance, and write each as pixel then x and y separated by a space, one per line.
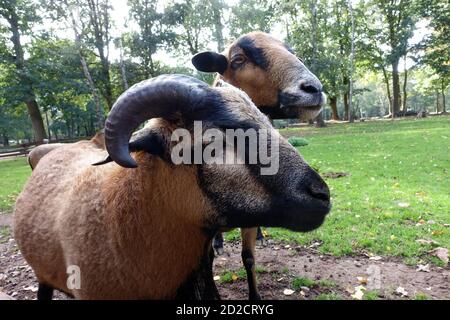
pixel 279 84
pixel 145 233
pixel 40 151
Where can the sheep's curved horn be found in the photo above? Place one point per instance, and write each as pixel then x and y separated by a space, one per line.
pixel 165 96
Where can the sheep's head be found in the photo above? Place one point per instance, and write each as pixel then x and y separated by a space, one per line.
pixel 269 72
pixel 287 193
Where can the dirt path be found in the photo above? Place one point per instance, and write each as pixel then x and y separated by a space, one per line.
pixel 279 264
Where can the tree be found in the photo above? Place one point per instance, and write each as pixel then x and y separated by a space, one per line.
pixel 192 19
pixel 151 36
pixel 20 16
pixel 396 26
pixel 436 47
pixel 251 15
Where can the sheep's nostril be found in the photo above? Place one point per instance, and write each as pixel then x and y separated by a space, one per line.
pixel 319 191
pixel 309 88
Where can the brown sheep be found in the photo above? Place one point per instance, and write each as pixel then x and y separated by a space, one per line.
pixel 279 84
pixel 145 232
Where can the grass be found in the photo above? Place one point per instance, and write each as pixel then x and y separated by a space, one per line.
pixel 421 296
pixel 398 181
pixel 371 295
pixel 329 296
pixel 299 282
pixel 229 276
pixel 4 234
pixel 13 175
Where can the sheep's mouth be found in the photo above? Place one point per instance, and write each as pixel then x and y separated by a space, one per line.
pixel 302 106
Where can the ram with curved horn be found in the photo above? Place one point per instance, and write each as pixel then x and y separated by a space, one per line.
pixel 129 229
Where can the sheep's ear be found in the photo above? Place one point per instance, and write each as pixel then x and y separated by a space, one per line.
pixel 150 142
pixel 210 61
pixel 145 140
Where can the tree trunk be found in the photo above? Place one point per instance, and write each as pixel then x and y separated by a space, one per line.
pixel 36 121
pixel 218 27
pixel 98 107
pixel 30 100
pixel 388 87
pixel 334 111
pixel 48 126
pixel 123 71
pixel 352 57
pixel 395 89
pixel 346 107
pixel 5 140
pixel 437 102
pixel 405 81
pixel 444 110
pixel 320 123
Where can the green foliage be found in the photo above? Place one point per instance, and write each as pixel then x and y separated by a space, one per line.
pixel 298 141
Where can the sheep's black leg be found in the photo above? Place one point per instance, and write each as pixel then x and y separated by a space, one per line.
pixel 248 258
pixel 45 292
pixel 218 243
pixel 260 237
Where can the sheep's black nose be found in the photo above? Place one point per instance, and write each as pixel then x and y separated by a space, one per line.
pixel 319 190
pixel 310 88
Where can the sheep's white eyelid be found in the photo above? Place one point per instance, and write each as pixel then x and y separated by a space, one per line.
pixel 238 59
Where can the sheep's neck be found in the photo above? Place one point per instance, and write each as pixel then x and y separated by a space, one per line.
pixel 158 212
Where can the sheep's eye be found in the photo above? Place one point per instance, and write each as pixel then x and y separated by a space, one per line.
pixel 238 60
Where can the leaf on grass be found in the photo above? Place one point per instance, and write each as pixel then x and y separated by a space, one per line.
pixel 437 232
pixel 359 293
pixel 362 280
pixel 426 241
pixel 288 292
pixel 401 292
pixel 423 268
pixel 441 253
pixel 375 258
pixel 403 204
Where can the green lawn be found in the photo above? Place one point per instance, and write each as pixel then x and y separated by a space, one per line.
pixel 13 175
pixel 398 182
pixel 397 190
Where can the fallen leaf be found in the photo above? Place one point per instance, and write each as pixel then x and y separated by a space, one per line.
pixel 375 258
pixel 234 277
pixel 401 292
pixel 362 280
pixel 216 278
pixel 403 204
pixel 423 268
pixel 426 241
pixel 393 237
pixel 280 279
pixel 287 246
pixel 437 232
pixel 288 292
pixel 359 292
pixel 441 253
